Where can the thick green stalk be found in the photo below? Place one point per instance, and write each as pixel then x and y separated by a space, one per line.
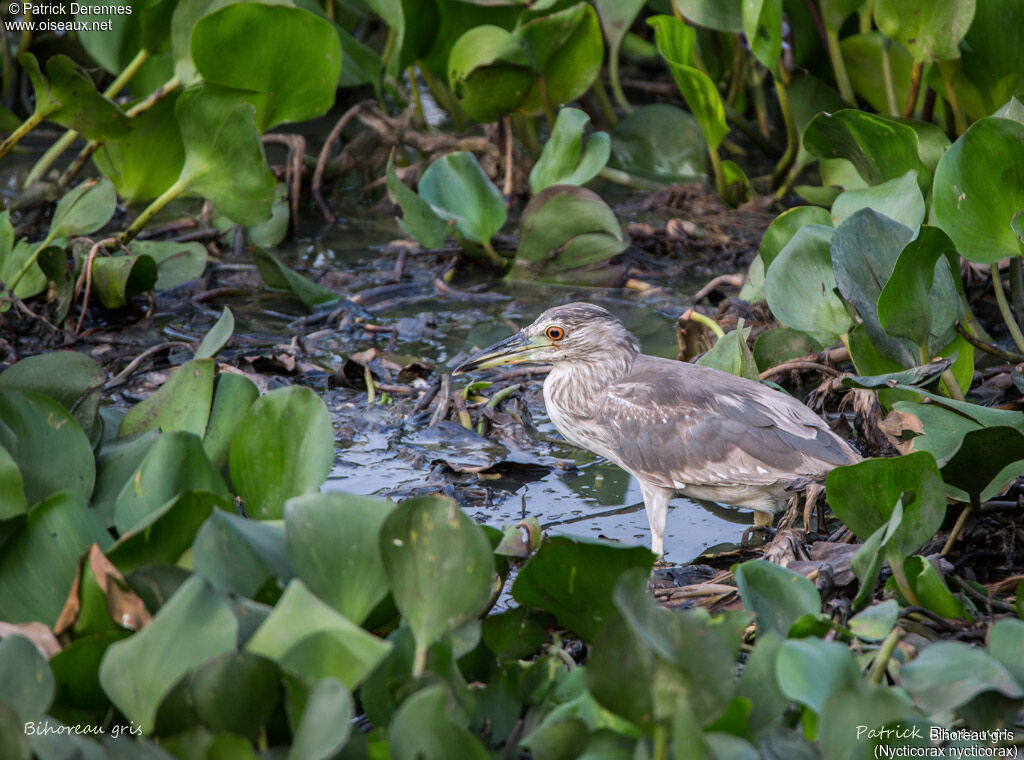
pixel 660 742
pixel 28 263
pixel 887 81
pixel 835 55
pixel 416 102
pixel 496 258
pixel 545 99
pixel 1004 309
pixel 881 663
pixel 902 583
pixel 613 78
pixel 716 164
pixel 915 88
pixel 23 129
pixel 152 210
pixel 603 101
pixel 1017 288
pixel 792 135
pixel 626 179
pixel 419 662
pixel 948 71
pixel 444 97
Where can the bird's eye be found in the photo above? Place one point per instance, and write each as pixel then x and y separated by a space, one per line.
pixel 555 333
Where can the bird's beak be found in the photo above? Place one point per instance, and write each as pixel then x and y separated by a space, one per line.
pixel 513 350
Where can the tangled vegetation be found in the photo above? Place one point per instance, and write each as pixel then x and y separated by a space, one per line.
pixel 173 581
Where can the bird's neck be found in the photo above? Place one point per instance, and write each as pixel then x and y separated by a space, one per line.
pixel 574 386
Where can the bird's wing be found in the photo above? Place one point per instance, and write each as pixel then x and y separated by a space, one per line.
pixel 679 424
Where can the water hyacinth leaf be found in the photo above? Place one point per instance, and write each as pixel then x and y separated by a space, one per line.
pixel 419 221
pixel 762 24
pixel 457 188
pixel 175 462
pixel 863 55
pixel 785 226
pixel 515 633
pixel 800 285
pixel 439 565
pixel 1006 644
pixel 425 727
pixel 68 377
pixel 233 395
pixel 930 30
pixel 40 558
pixel 48 445
pixel 920 301
pixel 12 488
pixel 118 278
pixel 118 460
pixel 283 447
pixel 946 674
pixel 990 69
pixel 229 170
pixel 675 42
pixel 931 589
pixel 489 72
pixel 876 622
pixel 859 704
pixel 235 692
pixel 899 199
pixel 13 258
pixel 194 625
pixel 181 403
pixel 773 347
pixel 988 457
pixel 52 261
pixel 76 673
pixel 738 186
pixel 880 148
pixel 564 160
pixel 176 263
pixel 720 15
pixel 326 722
pixel 332 540
pixel 659 142
pixel 301 629
pixel 84 209
pixel 979 187
pixel 242 46
pixel 808 670
pixel 217 337
pixel 914 376
pixel 277 275
pixel 864 251
pixel 238 555
pixel 162 536
pixel 27 678
pixel 732 354
pixel 776 595
pixel 68 96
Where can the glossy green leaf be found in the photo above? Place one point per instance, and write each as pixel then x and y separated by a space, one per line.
pixel 235 692
pixel 659 142
pixel 332 541
pixel 217 337
pixel 984 459
pixel 800 285
pixel 930 29
pixel 176 263
pixel 776 595
pixel 899 199
pixel 68 377
pixel 773 347
pixel 675 44
pixel 76 673
pixel 233 395
pixel 863 55
pixel 979 186
pixel 573 579
pixel 785 226
pixel 181 403
pixel 277 275
pixel 13 257
pixel 12 488
pixel 238 555
pixel 194 625
pixel 1006 644
pixel 229 170
pixel 720 15
pixel 26 676
pixel 306 637
pixel 458 190
pixel 616 18
pixel 808 670
pixel 914 376
pixel 834 12
pixel 931 589
pixel 946 674
pixel 242 45
pixel 84 209
pixel 419 220
pixel 991 71
pixel 438 563
pixel 856 704
pixel 762 24
pixel 176 462
pixel 326 722
pixel 489 72
pixel 732 354
pixel 283 447
pixel 48 445
pixel 425 727
pixel 118 278
pixel 876 622
pixel 564 160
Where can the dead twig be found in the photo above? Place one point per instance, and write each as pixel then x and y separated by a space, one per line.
pixel 325 153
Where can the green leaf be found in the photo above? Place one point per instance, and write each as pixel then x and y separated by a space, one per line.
pixel 861 704
pixel 176 263
pixel 176 462
pixel 930 29
pixel 333 543
pixel 984 459
pixel 68 377
pixel 238 555
pixel 84 209
pixel 864 56
pixel 118 278
pixel 283 447
pixel 13 257
pixel 1006 644
pixel 779 597
pixel 224 161
pixel 439 565
pixel 26 676
pixel 800 284
pixel 785 226
pixel 233 395
pixel 809 670
pixel 458 190
pixel 876 622
pixel 899 199
pixel 306 637
pixel 217 336
pixel 762 23
pixel 425 727
pixel 326 722
pixel 720 15
pixel 947 674
pixel 919 301
pixel 418 219
pixel 990 69
pixel 617 17
pixel 242 45
pixel 236 692
pixel 489 72
pixel 564 161
pixel 931 589
pixel 675 43
pixel 194 625
pixel 979 187
pixel 659 142
pixel 732 354
pixel 780 344
pixel 12 488
pixel 49 447
pixel 573 579
pixel 277 275
pixel 914 376
pixel 181 403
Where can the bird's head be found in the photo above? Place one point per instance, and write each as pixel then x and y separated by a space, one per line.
pixel 572 333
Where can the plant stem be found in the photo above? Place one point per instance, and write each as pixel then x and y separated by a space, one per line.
pixel 1017 288
pixel 881 663
pixel 443 96
pixel 739 67
pixel 696 316
pixel 1006 356
pixel 527 129
pixel 613 80
pixel 915 88
pixel 760 104
pixel 1004 309
pixel 952 385
pixel 866 14
pixel 603 101
pixel 948 71
pixel 125 76
pixel 23 129
pixel 152 210
pixel 792 136
pixel 545 99
pixel 716 165
pixel 660 742
pixel 419 662
pixel 626 179
pixel 887 80
pixel 745 126
pixel 415 87
pixel 958 526
pixel 902 583
pixel 835 55
pixel 496 258
pixel 28 263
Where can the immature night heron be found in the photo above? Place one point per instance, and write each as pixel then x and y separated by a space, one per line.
pixel 673 426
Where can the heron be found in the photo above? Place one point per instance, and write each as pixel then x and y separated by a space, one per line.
pixel 674 426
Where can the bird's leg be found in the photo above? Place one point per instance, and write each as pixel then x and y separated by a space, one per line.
pixel 762 524
pixel 656 504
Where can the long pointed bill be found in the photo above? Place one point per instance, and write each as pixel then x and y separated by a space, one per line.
pixel 513 350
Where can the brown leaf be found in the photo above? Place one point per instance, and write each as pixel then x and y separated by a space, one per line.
pixel 125 607
pixel 37 633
